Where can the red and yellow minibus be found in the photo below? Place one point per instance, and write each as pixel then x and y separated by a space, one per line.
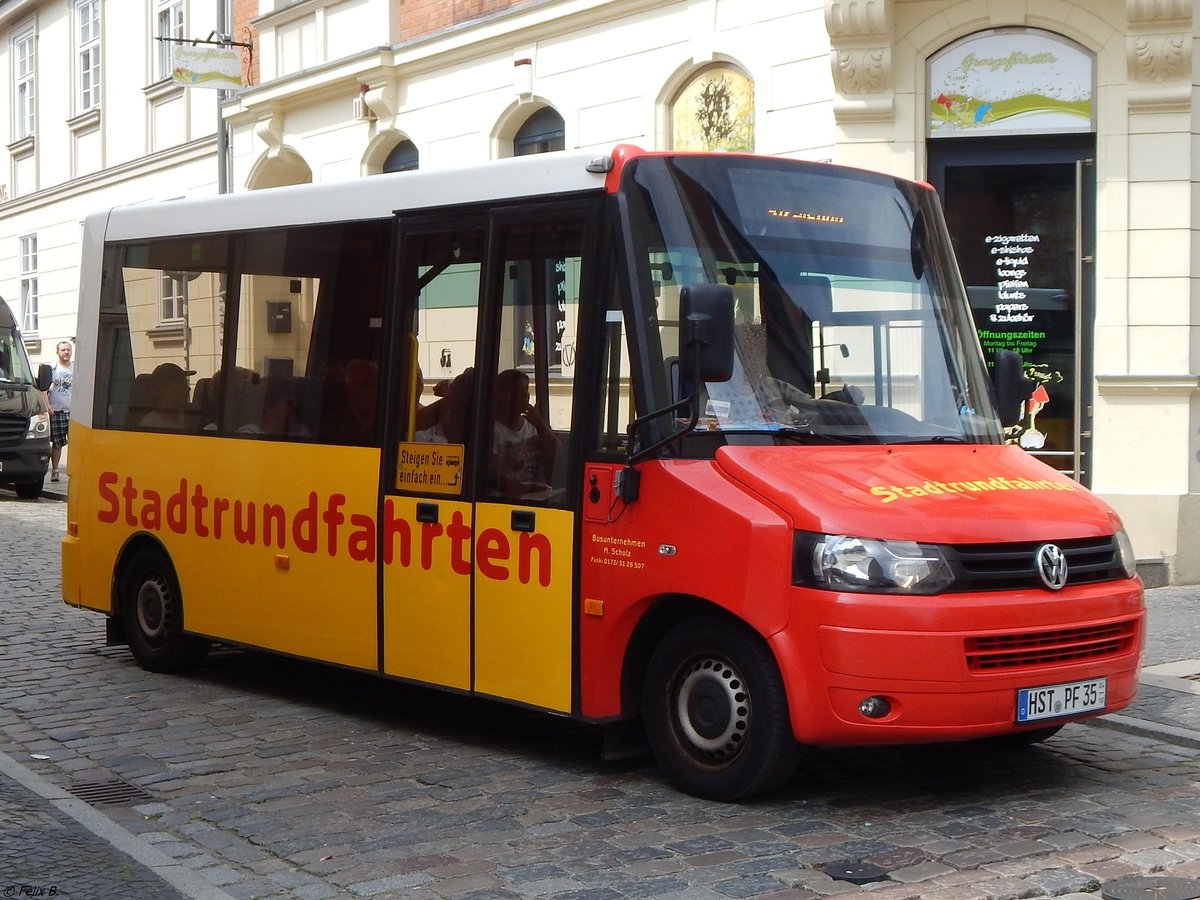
pixel 700 446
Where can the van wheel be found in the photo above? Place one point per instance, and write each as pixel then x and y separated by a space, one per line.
pixel 151 609
pixel 715 712
pixel 29 490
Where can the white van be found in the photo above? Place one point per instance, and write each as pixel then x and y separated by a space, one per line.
pixel 24 413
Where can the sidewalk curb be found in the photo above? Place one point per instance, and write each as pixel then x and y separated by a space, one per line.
pixel 169 870
pixel 1183 737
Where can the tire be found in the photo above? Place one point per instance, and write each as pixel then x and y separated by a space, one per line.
pixel 29 490
pixel 151 610
pixel 715 712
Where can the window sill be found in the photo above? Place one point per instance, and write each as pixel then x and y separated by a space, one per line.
pixel 167 333
pixel 166 89
pixel 22 148
pixel 85 122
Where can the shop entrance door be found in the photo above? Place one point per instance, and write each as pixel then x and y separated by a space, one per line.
pixel 1021 216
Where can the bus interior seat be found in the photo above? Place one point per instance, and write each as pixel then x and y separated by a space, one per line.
pixel 200 398
pixel 204 401
pixel 141 399
pixel 308 393
pixel 248 404
pixel 812 295
pixel 789 314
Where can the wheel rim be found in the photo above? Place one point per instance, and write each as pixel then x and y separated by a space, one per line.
pixel 713 709
pixel 154 609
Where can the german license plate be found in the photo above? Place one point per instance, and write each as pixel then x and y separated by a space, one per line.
pixel 1055 700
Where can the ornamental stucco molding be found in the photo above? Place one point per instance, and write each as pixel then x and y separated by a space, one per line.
pixel 1158 51
pixel 860 39
pixel 384 100
pixel 269 130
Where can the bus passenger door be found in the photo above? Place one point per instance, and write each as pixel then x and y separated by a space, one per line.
pixel 528 494
pixel 426 525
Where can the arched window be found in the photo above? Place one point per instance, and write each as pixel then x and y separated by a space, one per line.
pixel 714 111
pixel 542 132
pixel 404 158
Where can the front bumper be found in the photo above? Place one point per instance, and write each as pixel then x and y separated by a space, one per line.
pixel 950 667
pixel 26 461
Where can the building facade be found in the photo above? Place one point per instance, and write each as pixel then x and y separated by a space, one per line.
pixel 1059 134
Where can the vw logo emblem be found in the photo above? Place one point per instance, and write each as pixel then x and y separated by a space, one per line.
pixel 1052 566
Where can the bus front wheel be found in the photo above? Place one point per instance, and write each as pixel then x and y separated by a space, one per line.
pixel 716 713
pixel 151 612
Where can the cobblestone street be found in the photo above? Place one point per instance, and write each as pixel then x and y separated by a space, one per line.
pixel 258 776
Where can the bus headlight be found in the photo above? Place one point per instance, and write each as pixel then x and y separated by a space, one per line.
pixel 1125 555
pixel 39 425
pixel 840 562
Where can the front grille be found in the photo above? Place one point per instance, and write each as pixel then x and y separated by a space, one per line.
pixel 13 429
pixel 1006 567
pixel 1043 648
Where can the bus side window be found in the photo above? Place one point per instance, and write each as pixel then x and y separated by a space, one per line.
pixel 308 335
pixel 161 302
pixel 441 278
pixel 532 397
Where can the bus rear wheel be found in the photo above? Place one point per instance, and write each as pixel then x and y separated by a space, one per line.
pixel 715 712
pixel 151 610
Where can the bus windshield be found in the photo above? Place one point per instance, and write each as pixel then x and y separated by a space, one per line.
pixel 850 323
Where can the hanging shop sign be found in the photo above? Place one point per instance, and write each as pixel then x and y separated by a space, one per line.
pixel 1011 82
pixel 207 66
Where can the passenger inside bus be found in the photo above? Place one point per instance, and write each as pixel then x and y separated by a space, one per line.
pixel 209 395
pixel 158 400
pixel 425 415
pixel 348 403
pixel 523 446
pixel 280 406
pixel 446 418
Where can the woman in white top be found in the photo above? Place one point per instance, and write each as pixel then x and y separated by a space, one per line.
pixel 523 446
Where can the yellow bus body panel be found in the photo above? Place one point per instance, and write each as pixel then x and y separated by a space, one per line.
pixel 263 535
pixel 523 582
pixel 88 550
pixel 427 608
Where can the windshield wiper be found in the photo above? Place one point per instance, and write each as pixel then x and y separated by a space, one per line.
pixel 808 436
pixel 932 439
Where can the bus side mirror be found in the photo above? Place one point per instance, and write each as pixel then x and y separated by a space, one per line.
pixel 706 338
pixel 705 354
pixel 45 377
pixel 1011 386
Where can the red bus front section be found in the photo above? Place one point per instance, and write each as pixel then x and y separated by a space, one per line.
pixel 977 659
